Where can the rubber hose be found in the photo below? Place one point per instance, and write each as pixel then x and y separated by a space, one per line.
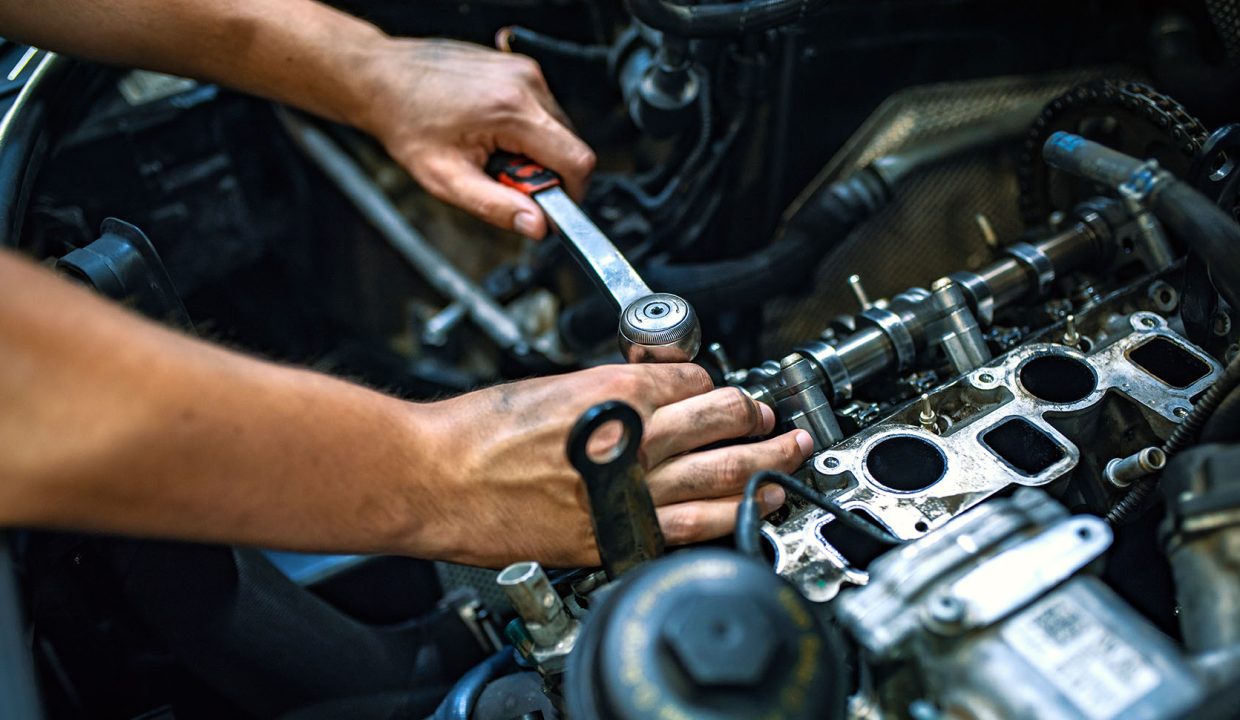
pixel 721 20
pixel 459 704
pixel 527 42
pixel 1207 229
pixel 1224 425
pixel 781 267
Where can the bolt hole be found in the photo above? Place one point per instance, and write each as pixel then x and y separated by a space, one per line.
pixel 921 526
pixel 1084 533
pixel 1221 167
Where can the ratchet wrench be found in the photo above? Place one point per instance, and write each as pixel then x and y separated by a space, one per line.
pixel 654 327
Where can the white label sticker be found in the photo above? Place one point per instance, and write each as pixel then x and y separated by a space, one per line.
pixel 1095 669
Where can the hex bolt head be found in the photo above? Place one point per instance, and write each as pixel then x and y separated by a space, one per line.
pixel 946 610
pixel 721 640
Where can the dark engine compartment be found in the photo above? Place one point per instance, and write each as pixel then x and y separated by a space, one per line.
pixel 781 180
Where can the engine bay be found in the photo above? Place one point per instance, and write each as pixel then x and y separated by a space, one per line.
pixel 987 256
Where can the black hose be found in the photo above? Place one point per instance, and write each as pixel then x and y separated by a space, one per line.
pixel 459 704
pixel 1224 425
pixel 747 516
pixel 1185 434
pixel 1189 215
pixel 720 20
pixel 1207 229
pixel 781 267
pixel 527 42
pixel 656 203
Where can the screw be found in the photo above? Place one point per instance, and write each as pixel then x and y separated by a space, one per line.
pixel 721 358
pixel 929 418
pixel 1148 322
pixel 986 377
pixel 1180 412
pixel 831 462
pixel 947 610
pixel 1071 337
pixel 988 231
pixel 854 281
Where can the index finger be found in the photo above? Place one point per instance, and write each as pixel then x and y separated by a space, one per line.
pixel 667 383
pixel 545 140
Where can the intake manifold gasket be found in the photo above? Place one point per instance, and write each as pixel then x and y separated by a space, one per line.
pixel 1001 437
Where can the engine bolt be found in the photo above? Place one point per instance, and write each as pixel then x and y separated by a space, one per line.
pixel 928 418
pixel 1071 337
pixel 854 281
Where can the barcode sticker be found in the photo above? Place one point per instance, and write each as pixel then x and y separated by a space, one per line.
pixel 1093 667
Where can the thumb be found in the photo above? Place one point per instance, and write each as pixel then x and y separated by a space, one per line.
pixel 456 180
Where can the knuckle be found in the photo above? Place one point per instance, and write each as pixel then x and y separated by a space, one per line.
pixel 586 161
pixel 507 99
pixel 739 407
pixel 532 71
pixel 729 469
pixel 685 524
pixel 623 384
pixel 789 453
pixel 696 377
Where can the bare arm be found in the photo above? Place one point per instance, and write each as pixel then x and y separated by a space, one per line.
pixel 111 423
pixel 440 107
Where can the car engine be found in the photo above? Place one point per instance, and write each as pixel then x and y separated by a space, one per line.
pixel 987 255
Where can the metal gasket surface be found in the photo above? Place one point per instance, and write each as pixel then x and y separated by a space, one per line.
pixel 973 469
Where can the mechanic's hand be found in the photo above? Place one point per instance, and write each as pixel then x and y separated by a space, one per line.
pixel 514 495
pixel 442 107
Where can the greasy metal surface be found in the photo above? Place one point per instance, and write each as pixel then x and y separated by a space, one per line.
pixel 972 405
pixel 929 229
pixel 1001 593
pixel 883 615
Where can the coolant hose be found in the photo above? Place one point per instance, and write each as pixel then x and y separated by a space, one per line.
pixel 460 702
pixel 722 19
pixel 1190 216
pixel 1207 229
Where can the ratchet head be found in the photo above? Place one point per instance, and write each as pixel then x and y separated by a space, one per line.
pixel 660 327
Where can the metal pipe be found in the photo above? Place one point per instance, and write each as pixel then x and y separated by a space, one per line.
pixel 1121 472
pixel 379 211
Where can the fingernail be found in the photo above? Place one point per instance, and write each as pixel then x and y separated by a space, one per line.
pixel 772 497
pixel 768 418
pixel 526 223
pixel 805 442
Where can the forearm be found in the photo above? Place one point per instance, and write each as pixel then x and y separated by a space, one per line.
pixel 110 423
pixel 295 51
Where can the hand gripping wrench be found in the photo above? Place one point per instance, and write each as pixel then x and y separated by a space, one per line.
pixel 654 327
